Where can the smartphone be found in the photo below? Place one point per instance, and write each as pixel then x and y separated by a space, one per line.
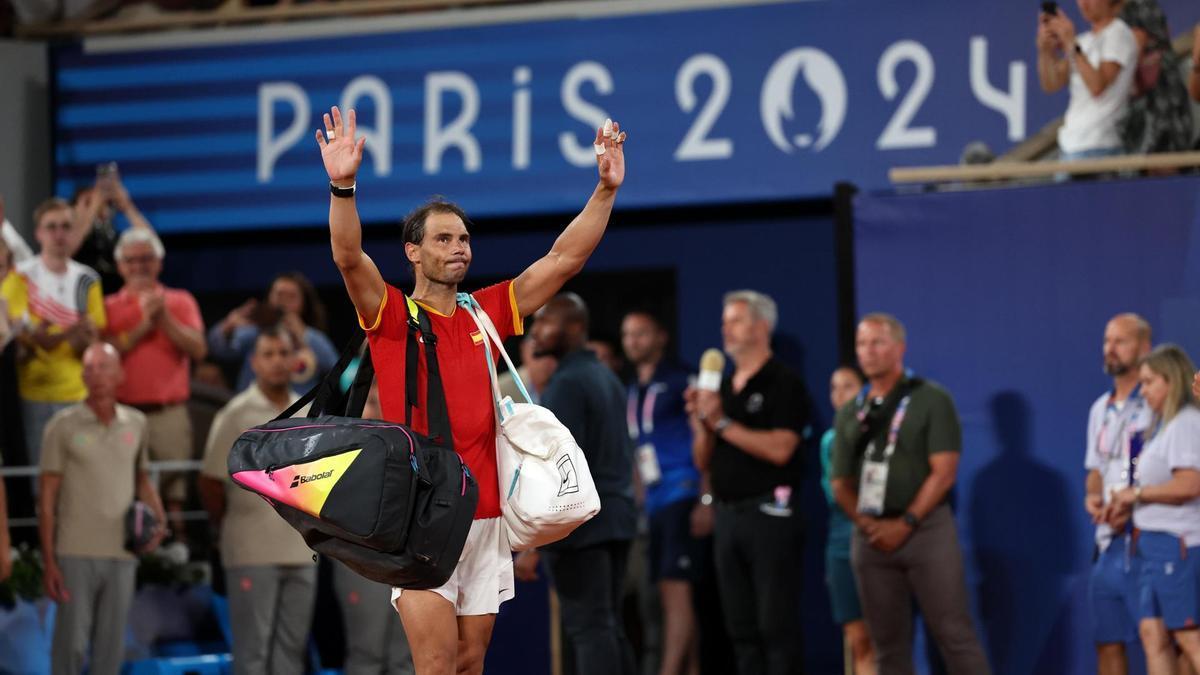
pixel 105 170
pixel 1050 8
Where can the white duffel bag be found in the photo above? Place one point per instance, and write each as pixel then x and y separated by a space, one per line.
pixel 546 489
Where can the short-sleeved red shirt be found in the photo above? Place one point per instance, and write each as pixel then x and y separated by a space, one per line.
pixel 463 366
pixel 156 371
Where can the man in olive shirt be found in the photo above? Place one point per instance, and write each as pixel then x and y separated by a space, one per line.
pixel 747 437
pixel 270 577
pixel 92 453
pixel 895 459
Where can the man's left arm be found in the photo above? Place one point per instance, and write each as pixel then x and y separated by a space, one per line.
pixel 943 445
pixel 184 327
pixel 545 277
pixel 148 494
pixel 775 445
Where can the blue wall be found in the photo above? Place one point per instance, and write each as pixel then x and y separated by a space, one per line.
pixel 1005 294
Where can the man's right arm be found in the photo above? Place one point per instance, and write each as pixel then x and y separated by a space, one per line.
pixel 1053 70
pixel 342 157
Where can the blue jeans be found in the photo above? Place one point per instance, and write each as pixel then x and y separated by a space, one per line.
pixel 1094 153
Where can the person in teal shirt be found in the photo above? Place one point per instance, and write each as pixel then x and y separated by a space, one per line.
pixel 844 386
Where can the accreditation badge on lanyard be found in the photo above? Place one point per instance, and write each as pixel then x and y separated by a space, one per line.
pixel 646 455
pixel 872 486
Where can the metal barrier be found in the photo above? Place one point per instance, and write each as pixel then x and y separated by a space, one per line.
pixel 155 469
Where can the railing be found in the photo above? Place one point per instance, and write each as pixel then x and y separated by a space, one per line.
pixel 154 469
pixel 998 171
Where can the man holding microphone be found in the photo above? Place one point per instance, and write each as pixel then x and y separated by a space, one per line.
pixel 746 432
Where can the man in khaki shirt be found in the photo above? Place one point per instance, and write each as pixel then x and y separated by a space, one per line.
pixel 270 577
pixel 90 453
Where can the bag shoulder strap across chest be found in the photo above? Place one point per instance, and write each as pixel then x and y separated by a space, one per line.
pixel 327 398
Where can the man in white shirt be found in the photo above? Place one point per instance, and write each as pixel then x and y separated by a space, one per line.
pixel 1114 418
pixel 1099 65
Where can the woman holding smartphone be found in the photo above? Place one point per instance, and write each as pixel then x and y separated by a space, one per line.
pixel 1165 504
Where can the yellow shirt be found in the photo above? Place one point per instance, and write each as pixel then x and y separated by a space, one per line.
pixel 36 296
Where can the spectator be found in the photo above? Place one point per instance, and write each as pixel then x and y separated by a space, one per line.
pixel 1115 418
pixel 895 458
pixel 535 371
pixel 93 465
pixel 11 438
pixel 1099 65
pixel 18 249
pixel 375 640
pixel 680 521
pixel 270 577
pixel 158 331
pixel 95 232
pixel 1165 503
pixel 293 301
pixel 1160 118
pixel 844 385
pixel 747 437
pixel 6 266
pixel 59 307
pixel 608 352
pixel 588 567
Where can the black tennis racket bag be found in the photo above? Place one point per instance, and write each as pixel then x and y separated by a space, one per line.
pixel 393 505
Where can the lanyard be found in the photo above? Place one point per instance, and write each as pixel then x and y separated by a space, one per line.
pixel 893 428
pixel 631 407
pixel 1133 406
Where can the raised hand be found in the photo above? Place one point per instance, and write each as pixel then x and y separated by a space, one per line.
pixel 341 153
pixel 610 154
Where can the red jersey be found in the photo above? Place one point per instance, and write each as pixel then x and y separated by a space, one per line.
pixel 461 360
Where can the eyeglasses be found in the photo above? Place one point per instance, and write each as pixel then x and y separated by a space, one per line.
pixel 140 259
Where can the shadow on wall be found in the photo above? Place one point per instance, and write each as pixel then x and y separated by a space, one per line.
pixel 1024 548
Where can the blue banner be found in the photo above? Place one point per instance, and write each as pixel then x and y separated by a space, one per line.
pixel 214 130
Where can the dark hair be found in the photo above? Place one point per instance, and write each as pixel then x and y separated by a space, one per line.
pixel 313 312
pixel 276 332
pixel 414 222
pixel 649 314
pixel 51 204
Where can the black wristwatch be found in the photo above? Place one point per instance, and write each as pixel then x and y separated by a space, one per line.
pixel 342 192
pixel 910 519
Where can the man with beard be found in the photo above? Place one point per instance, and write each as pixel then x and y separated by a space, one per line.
pixel 588 567
pixel 449 627
pixel 1115 418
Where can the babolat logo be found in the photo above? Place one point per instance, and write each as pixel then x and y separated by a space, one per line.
pixel 301 480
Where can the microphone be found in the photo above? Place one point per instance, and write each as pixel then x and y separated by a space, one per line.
pixel 712 364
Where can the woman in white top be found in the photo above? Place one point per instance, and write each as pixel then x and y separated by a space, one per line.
pixel 1097 66
pixel 1165 502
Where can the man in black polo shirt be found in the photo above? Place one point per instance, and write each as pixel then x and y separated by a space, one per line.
pixel 747 437
pixel 588 567
pixel 895 458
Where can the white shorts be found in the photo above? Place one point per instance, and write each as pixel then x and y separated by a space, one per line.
pixel 483 577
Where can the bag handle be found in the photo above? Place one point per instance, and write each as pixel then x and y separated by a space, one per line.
pixel 325 392
pixel 484 322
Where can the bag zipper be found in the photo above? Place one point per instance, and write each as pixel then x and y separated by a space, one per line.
pixel 412 455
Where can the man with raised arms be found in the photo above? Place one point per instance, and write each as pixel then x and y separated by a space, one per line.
pixel 449 627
